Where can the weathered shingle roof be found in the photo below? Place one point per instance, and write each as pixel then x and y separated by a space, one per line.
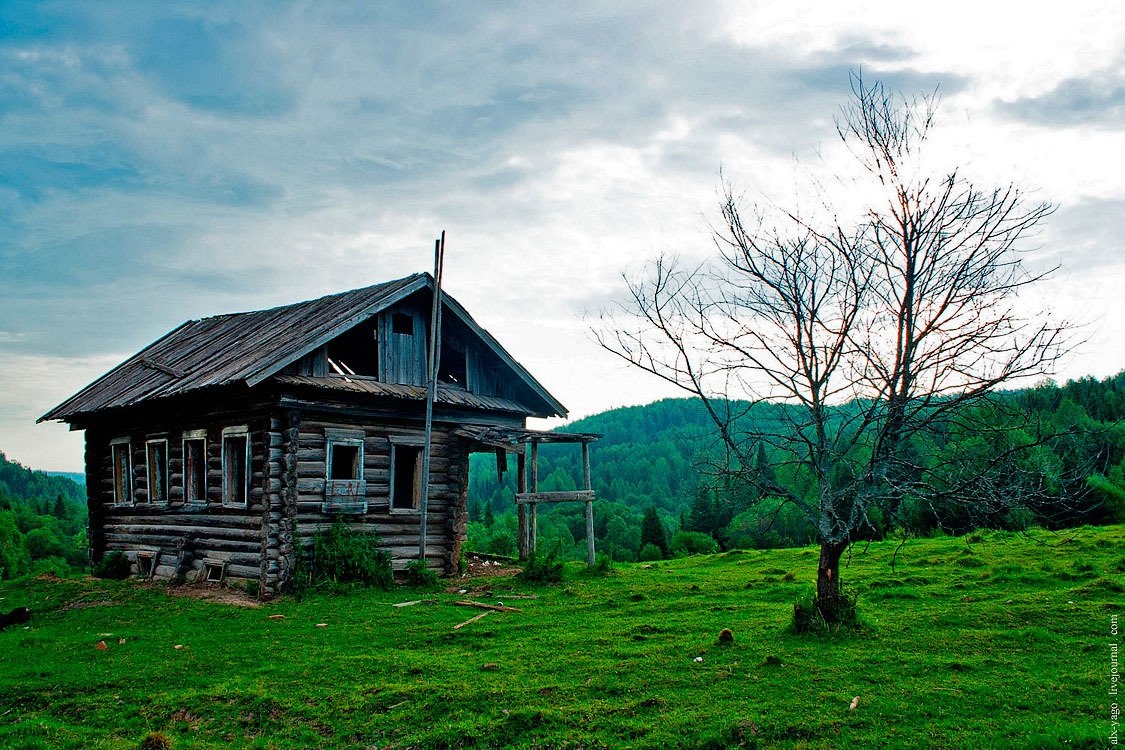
pixel 445 394
pixel 250 347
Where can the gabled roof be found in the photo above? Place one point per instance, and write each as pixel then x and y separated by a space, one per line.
pixel 250 347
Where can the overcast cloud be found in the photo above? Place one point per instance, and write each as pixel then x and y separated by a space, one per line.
pixel 163 161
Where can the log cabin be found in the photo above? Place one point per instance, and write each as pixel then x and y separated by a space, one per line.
pixel 218 451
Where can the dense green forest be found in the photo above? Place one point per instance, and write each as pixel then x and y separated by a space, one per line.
pixel 42 521
pixel 655 457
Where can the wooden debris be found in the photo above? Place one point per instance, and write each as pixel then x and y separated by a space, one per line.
pixel 471 619
pixel 854 703
pixel 513 596
pixel 482 605
pixel 276 617
pixel 322 624
pixel 416 601
pixel 403 703
pixel 100 646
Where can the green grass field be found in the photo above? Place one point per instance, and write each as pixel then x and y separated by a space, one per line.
pixel 995 640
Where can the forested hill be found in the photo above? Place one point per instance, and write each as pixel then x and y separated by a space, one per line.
pixel 646 457
pixel 42 521
pixel 650 456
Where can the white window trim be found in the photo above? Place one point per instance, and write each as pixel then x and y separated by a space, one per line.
pixel 148 471
pixel 411 441
pixel 239 431
pixel 128 443
pixel 189 436
pixel 354 439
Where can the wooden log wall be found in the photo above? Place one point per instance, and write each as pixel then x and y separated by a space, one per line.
pixel 398 529
pixel 288 473
pixel 282 556
pixel 181 535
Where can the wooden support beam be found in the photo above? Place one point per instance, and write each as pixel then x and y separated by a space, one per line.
pixel 532 524
pixel 570 496
pixel 521 510
pixel 589 505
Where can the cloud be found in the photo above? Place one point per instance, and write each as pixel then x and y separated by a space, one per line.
pixel 160 162
pixel 1092 100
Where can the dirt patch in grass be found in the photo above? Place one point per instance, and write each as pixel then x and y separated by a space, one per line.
pixel 89 605
pixel 208 593
pixel 477 567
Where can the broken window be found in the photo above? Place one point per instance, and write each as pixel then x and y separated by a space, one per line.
pixel 451 368
pixel 343 461
pixel 406 476
pixel 213 571
pixel 345 490
pixel 146 564
pixel 402 323
pixel 122 472
pixel 356 351
pixel 195 467
pixel 156 463
pixel 236 466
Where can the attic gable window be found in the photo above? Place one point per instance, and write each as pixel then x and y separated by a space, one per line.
pixel 452 368
pixel 402 323
pixel 345 488
pixel 121 456
pixel 236 466
pixel 156 465
pixel 195 467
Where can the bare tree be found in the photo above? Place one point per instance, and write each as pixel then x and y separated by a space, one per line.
pixel 872 333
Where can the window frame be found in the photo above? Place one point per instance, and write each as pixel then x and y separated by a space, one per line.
pixel 242 431
pixel 415 443
pixel 344 495
pixel 194 436
pixel 151 557
pixel 167 483
pixel 115 445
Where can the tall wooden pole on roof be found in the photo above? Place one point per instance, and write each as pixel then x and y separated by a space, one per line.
pixel 431 394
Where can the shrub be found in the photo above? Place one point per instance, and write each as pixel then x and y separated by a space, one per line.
pixel 808 615
pixel 649 553
pixel 543 568
pixel 692 543
pixel 114 566
pixel 418 574
pixel 603 564
pixel 343 555
pixel 156 741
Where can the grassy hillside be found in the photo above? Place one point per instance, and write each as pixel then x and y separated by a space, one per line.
pixel 987 641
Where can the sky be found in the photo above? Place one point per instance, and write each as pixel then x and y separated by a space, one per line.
pixel 167 161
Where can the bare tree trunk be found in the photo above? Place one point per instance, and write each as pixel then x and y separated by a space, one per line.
pixel 828 592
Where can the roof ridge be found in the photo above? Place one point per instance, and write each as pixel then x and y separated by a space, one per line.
pixel 307 301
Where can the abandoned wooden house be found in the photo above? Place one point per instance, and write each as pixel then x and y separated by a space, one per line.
pixel 220 449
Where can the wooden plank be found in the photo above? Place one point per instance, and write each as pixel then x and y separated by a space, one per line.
pixel 482 605
pixel 474 618
pixel 529 498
